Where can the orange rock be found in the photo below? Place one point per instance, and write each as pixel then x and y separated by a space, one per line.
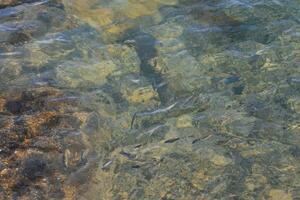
pixel 2 104
pixel 277 194
pixel 82 116
pixel 34 122
pixel 21 153
pixel 70 192
pixel 26 141
pixel 8 123
pixel 4 3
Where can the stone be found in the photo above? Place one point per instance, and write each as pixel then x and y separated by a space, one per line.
pixel 196 36
pixel 33 123
pixel 36 58
pixel 255 182
pixel 9 70
pixel 200 178
pixel 167 31
pixel 5 3
pixel 2 104
pixel 179 70
pixel 184 121
pixel 142 95
pixel 74 75
pixel 103 15
pixel 15 107
pixel 277 194
pixel 220 160
pixel 242 126
pixel 101 102
pixel 294 103
pixel 125 57
pixel 34 167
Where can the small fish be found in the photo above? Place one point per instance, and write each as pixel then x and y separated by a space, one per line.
pixel 196 140
pixel 127 155
pixel 231 79
pixel 180 106
pixel 107 164
pixel 137 146
pixel 171 140
pixel 151 113
pixel 135 166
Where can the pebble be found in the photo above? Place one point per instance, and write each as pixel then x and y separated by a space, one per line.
pixel 2 104
pixel 220 160
pixel 34 167
pixel 184 121
pixel 277 194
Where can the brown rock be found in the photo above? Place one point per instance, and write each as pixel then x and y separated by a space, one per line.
pixel 277 194
pixel 184 121
pixel 34 122
pixel 70 192
pixel 2 104
pixel 5 3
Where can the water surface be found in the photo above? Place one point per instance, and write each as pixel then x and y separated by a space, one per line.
pixel 157 99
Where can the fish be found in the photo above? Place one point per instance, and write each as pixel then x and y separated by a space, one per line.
pixel 172 140
pixel 179 107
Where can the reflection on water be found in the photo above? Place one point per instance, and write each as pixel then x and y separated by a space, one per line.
pixel 160 99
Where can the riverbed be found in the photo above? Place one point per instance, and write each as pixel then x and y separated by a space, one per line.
pixel 157 99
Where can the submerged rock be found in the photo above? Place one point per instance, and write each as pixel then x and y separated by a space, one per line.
pixel 276 194
pixel 184 121
pixel 115 18
pixel 180 71
pixel 34 167
pixel 84 75
pixel 5 3
pixel 175 99
pixel 294 104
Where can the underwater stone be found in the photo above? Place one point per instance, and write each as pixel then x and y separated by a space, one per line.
pixel 277 194
pixel 14 107
pixel 2 104
pixel 238 90
pixel 130 14
pixel 101 102
pixel 197 37
pixel 166 31
pixel 142 95
pixel 36 58
pixel 138 91
pixel 182 71
pixel 294 82
pixel 34 167
pixel 20 33
pixel 34 123
pixel 84 75
pixel 256 107
pixel 171 45
pixel 294 104
pixel 184 121
pixel 9 70
pixel 5 3
pixel 125 57
pixel 220 160
pixel 255 182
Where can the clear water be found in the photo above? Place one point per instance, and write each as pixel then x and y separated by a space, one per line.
pixel 156 99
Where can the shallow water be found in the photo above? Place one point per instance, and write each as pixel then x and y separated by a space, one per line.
pixel 159 99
